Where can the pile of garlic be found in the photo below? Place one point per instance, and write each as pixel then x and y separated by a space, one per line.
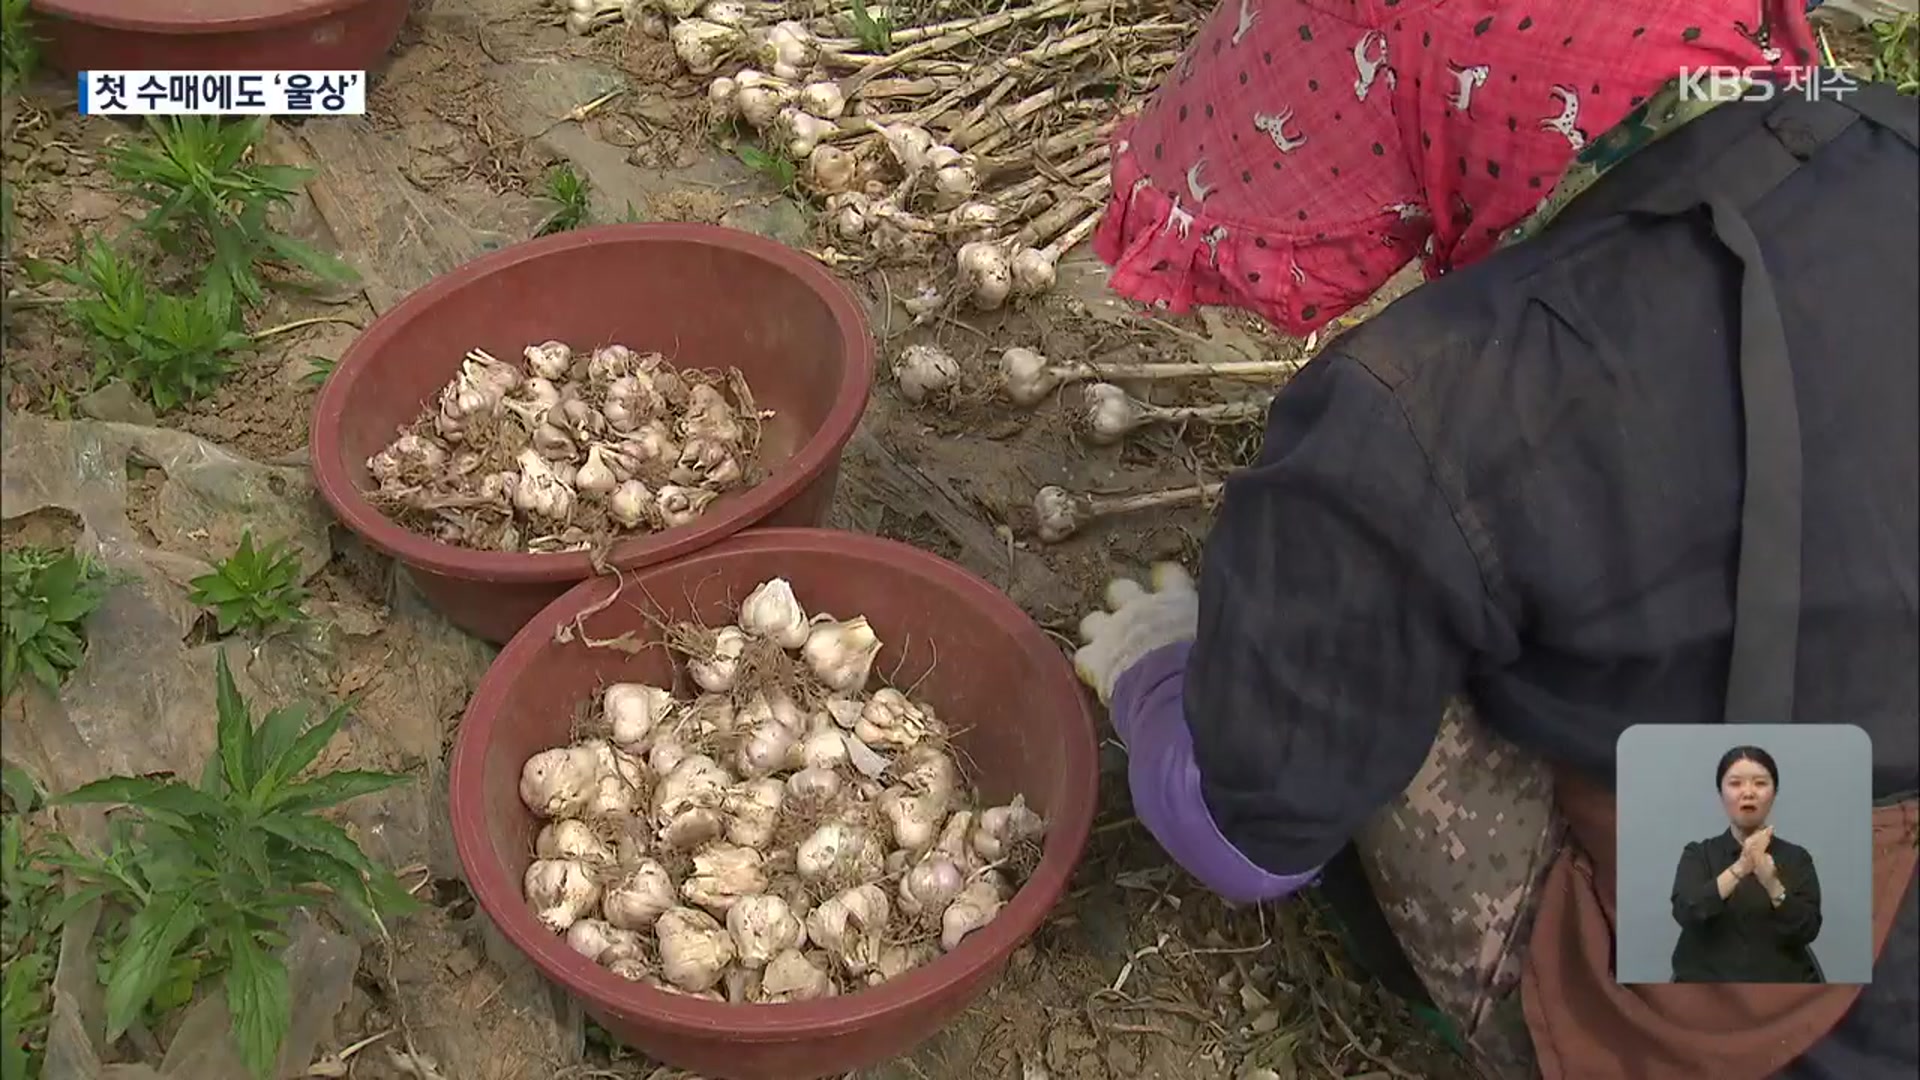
pixel 766 844
pixel 572 450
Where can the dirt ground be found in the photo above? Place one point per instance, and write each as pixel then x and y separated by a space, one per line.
pixel 1138 974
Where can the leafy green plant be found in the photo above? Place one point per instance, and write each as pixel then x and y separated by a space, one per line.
pixel 319 370
pixel 45 598
pixel 27 933
pixel 203 878
pixel 200 176
pixel 1896 52
pixel 875 34
pixel 255 588
pixel 567 189
pixel 778 170
pixel 19 54
pixel 169 349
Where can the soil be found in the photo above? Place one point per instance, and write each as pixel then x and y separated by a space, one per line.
pixel 1139 974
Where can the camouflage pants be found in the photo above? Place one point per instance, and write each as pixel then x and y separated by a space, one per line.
pixel 1456 864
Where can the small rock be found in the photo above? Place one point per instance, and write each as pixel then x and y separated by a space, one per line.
pixel 55 160
pixel 117 403
pixel 85 206
pixel 463 961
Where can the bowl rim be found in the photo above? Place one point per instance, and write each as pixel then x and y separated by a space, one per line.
pixel 1068 831
pixel 204 16
pixel 810 461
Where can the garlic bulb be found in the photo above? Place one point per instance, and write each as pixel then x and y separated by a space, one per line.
pixel 825 750
pixel 721 99
pixel 636 900
pixel 694 948
pixel 928 771
pixel 974 221
pixel 890 719
pixel 760 97
pixel 634 710
pixel 1002 827
pixel 630 504
pixel 931 885
pixel 813 787
pixel 763 927
pixel 841 654
pixel 802 131
pixel 824 100
pixel 722 874
pixel 1034 271
pixel 839 850
pixel 851 927
pixel 549 360
pixel 572 840
pixel 668 751
pixel 717 671
pixel 771 611
pixel 789 47
pixel 681 506
pixel 725 12
pixel 702 45
pixel 792 976
pixel 560 891
pixel 651 441
pixel 985 272
pixel 909 145
pixel 831 169
pixel 695 781
pixel 915 818
pixel 409 453
pixel 922 371
pixel 974 908
pixel 541 491
pixel 753 812
pixel 1026 376
pixel 602 942
pixel 955 179
pixel 766 749
pixel 557 783
pixel 594 478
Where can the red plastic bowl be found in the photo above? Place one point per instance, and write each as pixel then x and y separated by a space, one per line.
pixel 214 35
pixel 1025 725
pixel 705 296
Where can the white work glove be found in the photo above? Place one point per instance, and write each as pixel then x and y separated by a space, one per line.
pixel 1135 623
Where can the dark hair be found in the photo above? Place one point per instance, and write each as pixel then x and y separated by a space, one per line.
pixel 1747 753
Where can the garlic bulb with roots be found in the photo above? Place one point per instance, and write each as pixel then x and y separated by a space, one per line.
pixel 725 12
pixel 956 177
pixel 851 213
pixel 839 850
pixel 630 504
pixel 694 949
pixel 752 810
pixel 633 711
pixel 910 145
pixel 550 360
pixel 896 960
pixel 762 928
pixel 720 667
pixel 557 783
pixel 890 718
pixel 721 99
pixel 974 908
pixel 851 927
pixel 830 169
pixel 766 749
pixel 722 874
pixel 974 221
pixel 560 891
pixel 1001 827
pixel 702 45
pixel 986 273
pixel 595 478
pixel 634 901
pixel 574 840
pixel 824 750
pixel 602 942
pixel 931 885
pixel 771 611
pixel 788 48
pixel 841 654
pixel 824 100
pixel 921 371
pixel 915 818
pixel 541 492
pixel 651 442
pixel 759 97
pixel 928 771
pixel 710 415
pixel 695 781
pixel 813 787
pixel 1027 377
pixel 407 454
pixel 793 976
pixel 802 131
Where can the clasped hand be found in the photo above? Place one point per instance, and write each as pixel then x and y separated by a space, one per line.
pixel 1754 857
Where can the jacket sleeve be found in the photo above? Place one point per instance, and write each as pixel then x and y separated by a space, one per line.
pixel 1696 890
pixel 1797 919
pixel 1340 605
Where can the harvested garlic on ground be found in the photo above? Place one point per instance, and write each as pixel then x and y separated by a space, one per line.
pixel 813 788
pixel 766 749
pixel 572 839
pixel 722 874
pixel 753 812
pixel 915 818
pixel 792 976
pixel 702 45
pixel 922 371
pixel 636 900
pixel 760 97
pixel 694 949
pixel 955 179
pixel 560 891
pixel 851 927
pixel 1034 271
pixel 1026 376
pixel 839 849
pixel 824 100
pixel 557 783
pixel 634 710
pixel 595 940
pixel 987 275
pixel 720 99
pixel 830 169
pixel 974 908
pixel 931 885
pixel 789 47
pixel 717 671
pixel 771 611
pixel 762 928
pixel 1001 827
pixel 841 654
pixel 725 12
pixel 550 360
pixel 910 145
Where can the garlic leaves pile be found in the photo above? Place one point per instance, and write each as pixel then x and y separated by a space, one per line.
pixel 570 451
pixel 781 834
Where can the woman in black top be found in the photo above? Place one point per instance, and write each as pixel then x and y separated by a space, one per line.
pixel 1748 903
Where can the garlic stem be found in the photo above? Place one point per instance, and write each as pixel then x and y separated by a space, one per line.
pixel 1060 513
pixel 1026 377
pixel 1111 414
pixel 972 31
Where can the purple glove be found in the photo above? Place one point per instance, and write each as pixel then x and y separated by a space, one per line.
pixel 1150 718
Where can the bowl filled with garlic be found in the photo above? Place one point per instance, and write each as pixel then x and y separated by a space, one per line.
pixel 779 809
pixel 622 394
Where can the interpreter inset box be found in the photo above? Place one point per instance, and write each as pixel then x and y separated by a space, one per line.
pixel 1745 854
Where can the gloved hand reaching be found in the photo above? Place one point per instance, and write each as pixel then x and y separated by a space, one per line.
pixel 1135 623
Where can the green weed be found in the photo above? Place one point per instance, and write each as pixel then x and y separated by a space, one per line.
pixel 256 589
pixel 45 598
pixel 28 936
pixel 200 880
pixel 1896 53
pixel 875 35
pixel 19 49
pixel 207 192
pixel 568 191
pixel 778 170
